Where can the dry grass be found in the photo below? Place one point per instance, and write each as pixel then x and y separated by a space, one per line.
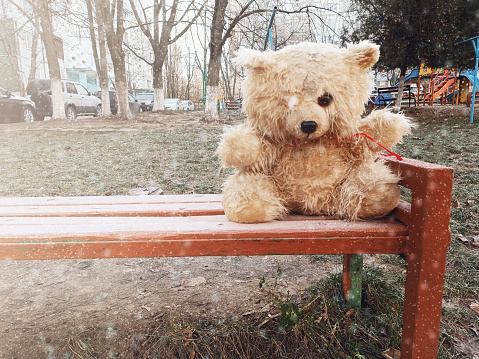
pixel 52 160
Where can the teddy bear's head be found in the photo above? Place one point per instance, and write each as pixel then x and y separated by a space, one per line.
pixel 308 90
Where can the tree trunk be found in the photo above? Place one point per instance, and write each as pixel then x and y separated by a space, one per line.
pixel 158 88
pixel 212 89
pixel 33 59
pixel 115 44
pixel 105 88
pixel 100 61
pixel 217 42
pixel 121 85
pixel 402 75
pixel 58 103
pixel 216 46
pixel 211 107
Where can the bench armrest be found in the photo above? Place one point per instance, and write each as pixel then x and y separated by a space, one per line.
pixel 431 191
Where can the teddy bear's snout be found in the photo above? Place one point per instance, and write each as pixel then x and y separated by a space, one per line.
pixel 308 126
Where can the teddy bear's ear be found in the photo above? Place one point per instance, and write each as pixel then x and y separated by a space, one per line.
pixel 252 58
pixel 364 54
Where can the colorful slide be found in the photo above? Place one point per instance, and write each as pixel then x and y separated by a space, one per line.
pixel 441 88
pixel 413 75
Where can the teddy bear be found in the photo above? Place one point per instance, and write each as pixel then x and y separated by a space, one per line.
pixel 305 146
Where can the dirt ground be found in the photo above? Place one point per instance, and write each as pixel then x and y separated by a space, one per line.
pixel 43 300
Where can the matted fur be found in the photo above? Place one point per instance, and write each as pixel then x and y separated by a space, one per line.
pixel 280 167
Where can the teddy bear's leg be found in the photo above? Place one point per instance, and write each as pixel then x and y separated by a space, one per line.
pixel 370 191
pixel 252 198
pixel 379 201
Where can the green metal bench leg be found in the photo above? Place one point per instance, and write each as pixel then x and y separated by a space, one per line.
pixel 352 278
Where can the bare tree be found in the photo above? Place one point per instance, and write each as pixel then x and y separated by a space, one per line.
pixel 306 23
pixel 33 58
pixel 42 10
pixel 7 42
pixel 163 16
pixel 113 18
pixel 189 74
pixel 219 34
pixel 101 58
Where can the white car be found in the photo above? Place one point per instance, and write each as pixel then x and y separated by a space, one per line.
pixel 78 100
pixel 146 100
pixel 173 104
pixel 188 105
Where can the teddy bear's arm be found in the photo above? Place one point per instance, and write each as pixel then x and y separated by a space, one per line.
pixel 385 127
pixel 239 147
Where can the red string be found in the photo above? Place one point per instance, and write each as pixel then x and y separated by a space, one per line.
pixel 391 153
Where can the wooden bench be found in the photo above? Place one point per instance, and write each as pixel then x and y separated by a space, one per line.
pixel 407 95
pixel 194 225
pixel 233 108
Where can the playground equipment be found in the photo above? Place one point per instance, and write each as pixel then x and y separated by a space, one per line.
pixel 443 86
pixel 475 43
pixel 269 35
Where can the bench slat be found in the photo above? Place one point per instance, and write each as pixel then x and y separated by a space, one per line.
pixel 112 237
pixel 112 209
pixel 187 248
pixel 110 200
pixel 198 227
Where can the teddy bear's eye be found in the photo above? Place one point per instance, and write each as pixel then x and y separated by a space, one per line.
pixel 325 100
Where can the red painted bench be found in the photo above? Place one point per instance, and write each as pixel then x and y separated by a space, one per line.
pixel 233 108
pixel 194 225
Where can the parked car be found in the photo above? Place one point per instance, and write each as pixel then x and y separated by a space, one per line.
pixel 188 105
pixel 15 108
pixel 78 100
pixel 135 106
pixel 146 100
pixel 173 104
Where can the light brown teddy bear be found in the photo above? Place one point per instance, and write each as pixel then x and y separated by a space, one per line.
pixel 304 147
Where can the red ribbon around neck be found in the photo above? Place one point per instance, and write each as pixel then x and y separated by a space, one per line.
pixel 391 153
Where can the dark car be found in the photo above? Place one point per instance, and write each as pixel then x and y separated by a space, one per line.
pixel 135 106
pixel 78 100
pixel 15 108
pixel 146 100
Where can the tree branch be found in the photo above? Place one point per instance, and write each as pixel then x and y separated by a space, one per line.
pixel 141 24
pixel 137 55
pixel 189 24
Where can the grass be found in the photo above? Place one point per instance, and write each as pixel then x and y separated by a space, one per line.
pixel 44 161
pixel 327 328
pixel 65 163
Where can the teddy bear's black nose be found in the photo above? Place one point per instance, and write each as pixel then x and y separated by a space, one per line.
pixel 308 126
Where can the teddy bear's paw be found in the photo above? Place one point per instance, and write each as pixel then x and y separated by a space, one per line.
pixel 239 147
pixel 252 198
pixel 253 213
pixel 386 127
pixel 379 201
pixel 255 207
